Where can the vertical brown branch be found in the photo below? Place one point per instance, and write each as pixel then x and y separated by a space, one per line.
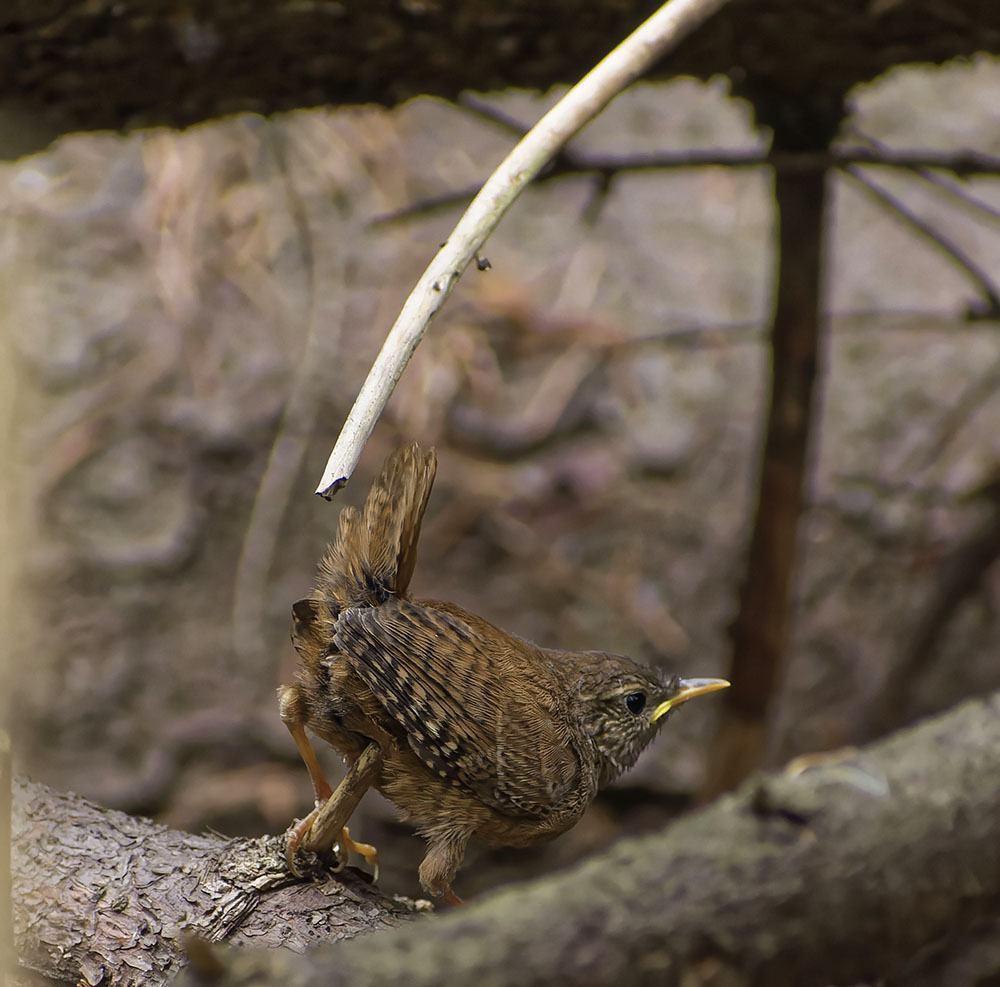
pixel 760 629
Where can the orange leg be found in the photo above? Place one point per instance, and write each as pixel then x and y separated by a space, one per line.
pixel 445 850
pixel 365 849
pixel 292 715
pixel 330 805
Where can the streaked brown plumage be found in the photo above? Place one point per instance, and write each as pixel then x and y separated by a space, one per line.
pixel 479 733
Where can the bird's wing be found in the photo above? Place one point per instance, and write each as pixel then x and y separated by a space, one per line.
pixel 442 682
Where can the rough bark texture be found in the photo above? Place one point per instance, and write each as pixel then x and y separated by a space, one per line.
pixel 88 64
pixel 103 897
pixel 834 874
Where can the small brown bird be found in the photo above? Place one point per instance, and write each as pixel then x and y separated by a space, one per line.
pixel 470 731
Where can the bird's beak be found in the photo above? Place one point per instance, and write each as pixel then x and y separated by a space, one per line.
pixel 688 689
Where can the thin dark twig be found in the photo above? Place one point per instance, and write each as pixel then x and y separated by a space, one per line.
pixel 426 207
pixel 567 162
pixel 697 335
pixel 599 197
pixel 906 320
pixel 800 162
pixel 753 330
pixel 965 162
pixel 944 243
pixel 974 206
pixel 978 209
pixel 492 114
pixel 977 393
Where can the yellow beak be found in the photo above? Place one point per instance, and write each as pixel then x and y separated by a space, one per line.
pixel 688 689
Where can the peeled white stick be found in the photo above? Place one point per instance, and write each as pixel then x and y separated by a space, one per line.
pixel 650 41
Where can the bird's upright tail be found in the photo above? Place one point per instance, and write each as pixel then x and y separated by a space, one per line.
pixel 373 556
pixel 374 553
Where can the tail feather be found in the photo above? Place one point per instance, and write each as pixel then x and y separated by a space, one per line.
pixel 375 551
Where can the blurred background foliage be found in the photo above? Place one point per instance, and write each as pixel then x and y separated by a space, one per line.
pixel 189 315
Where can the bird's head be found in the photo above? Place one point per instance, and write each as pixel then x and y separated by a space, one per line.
pixel 623 704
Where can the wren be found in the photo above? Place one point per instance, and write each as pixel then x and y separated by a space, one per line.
pixel 469 730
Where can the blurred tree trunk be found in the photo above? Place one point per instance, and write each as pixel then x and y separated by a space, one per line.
pixel 833 873
pixel 760 629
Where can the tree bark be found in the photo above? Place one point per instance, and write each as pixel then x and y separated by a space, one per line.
pixel 102 897
pixel 837 873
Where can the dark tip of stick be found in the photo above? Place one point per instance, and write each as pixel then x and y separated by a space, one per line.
pixel 328 493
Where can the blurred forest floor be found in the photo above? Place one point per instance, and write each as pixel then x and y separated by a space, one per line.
pixel 595 399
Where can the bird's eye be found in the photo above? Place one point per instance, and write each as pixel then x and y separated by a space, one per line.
pixel 636 702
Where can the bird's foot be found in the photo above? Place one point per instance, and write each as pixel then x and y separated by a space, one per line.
pixel 298 838
pixel 347 845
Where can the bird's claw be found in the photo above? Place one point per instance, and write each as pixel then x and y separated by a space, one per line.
pixel 294 840
pixel 342 848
